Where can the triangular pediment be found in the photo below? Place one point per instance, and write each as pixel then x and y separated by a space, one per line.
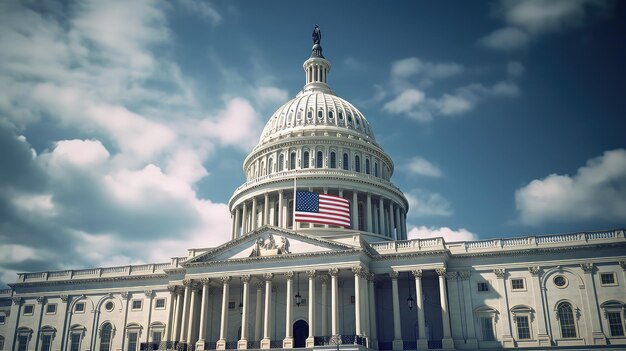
pixel 269 242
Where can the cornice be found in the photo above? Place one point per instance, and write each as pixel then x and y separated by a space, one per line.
pixel 397 255
pixel 533 250
pixel 88 280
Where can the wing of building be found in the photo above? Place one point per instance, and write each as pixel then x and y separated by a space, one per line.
pixel 322 285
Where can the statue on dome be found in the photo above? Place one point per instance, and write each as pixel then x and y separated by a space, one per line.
pixel 317 35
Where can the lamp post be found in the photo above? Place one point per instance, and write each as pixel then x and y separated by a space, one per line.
pixel 409 300
pixel 298 297
pixel 240 296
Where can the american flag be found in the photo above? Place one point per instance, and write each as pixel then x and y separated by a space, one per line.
pixel 323 209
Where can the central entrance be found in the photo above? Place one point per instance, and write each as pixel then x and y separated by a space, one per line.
pixel 300 333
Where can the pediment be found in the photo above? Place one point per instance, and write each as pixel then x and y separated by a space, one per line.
pixel 269 242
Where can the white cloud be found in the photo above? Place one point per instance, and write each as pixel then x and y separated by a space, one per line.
pixel 596 192
pixel 454 104
pixel 237 125
pixel 514 69
pixel 268 95
pixel 423 203
pixel 448 234
pixel 506 39
pixel 411 66
pixel 405 102
pixel 203 9
pixel 80 152
pixel 420 166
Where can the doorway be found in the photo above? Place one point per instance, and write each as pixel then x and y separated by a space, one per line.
pixel 300 333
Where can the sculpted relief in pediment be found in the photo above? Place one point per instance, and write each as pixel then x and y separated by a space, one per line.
pixel 269 247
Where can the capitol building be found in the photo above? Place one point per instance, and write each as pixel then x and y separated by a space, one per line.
pixel 286 284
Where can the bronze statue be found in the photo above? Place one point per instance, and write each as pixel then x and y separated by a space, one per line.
pixel 317 35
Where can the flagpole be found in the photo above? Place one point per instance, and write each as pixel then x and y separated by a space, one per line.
pixel 293 217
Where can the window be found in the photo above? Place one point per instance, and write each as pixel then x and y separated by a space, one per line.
pixel 483 286
pixel 156 337
pixel 136 305
pixel 330 114
pixel 22 342
pixel 79 307
pixel 75 342
pixel 357 163
pixel 159 304
pixel 132 341
pixel 46 340
pixel 333 160
pixel 231 305
pixel 270 165
pixel 1 342
pixel 367 165
pixel 51 308
pixel 292 161
pixel 109 306
pixel 305 160
pixel 105 337
pixel 560 281
pixel 319 161
pixel 486 324
pixel 281 162
pixel 28 310
pixel 608 279
pixel 346 162
pixel 361 216
pixel 565 314
pixel 376 169
pixel 3 319
pixel 517 284
pixel 340 115
pixel 320 114
pixel 523 328
pixel 616 327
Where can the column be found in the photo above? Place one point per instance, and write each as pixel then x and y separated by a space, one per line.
pixel 422 341
pixel 280 210
pixel 505 331
pixel 469 309
pixel 542 336
pixel 397 327
pixel 404 226
pixel 324 280
pixel 398 225
pixel 221 343
pixel 368 213
pixel 365 304
pixel 381 219
pixel 392 222
pixel 288 341
pixel 357 299
pixel 266 210
pixel 445 317
pixel 373 340
pixel 253 219
pixel 237 223
pixel 355 211
pixel 334 311
pixel 233 225
pixel 310 340
pixel 243 342
pixel 192 312
pixel 244 219
pixel 265 342
pixel 258 311
pixel 172 314
pixel 272 212
pixel 179 313
pixel 598 337
pixel 203 313
pixel 183 321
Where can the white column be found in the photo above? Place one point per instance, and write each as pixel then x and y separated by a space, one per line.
pixel 288 341
pixel 266 209
pixel 542 336
pixel 183 321
pixel 243 342
pixel 469 309
pixel 392 222
pixel 192 313
pixel 398 225
pixel 258 311
pixel 203 313
pixel 381 219
pixel 445 317
pixel 357 299
pixel 237 223
pixel 221 343
pixel 254 218
pixel 272 212
pixel 324 280
pixel 505 322
pixel 169 328
pixel 334 312
pixel 265 342
pixel 280 210
pixel 372 311
pixel 365 328
pixel 397 327
pixel 598 337
pixel 368 213
pixel 422 342
pixel 310 340
pixel 244 219
pixel 355 211
pixel 179 313
pixel 233 230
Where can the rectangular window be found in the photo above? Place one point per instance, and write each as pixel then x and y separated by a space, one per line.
pixel 136 305
pixel 487 327
pixel 46 340
pixel 159 304
pixel 3 319
pixel 28 310
pixel 79 307
pixel 483 286
pixel 607 278
pixel 132 342
pixel 51 308
pixel 156 337
pixel 231 305
pixel 615 323
pixel 523 328
pixel 75 342
pixel 22 342
pixel 1 344
pixel 517 284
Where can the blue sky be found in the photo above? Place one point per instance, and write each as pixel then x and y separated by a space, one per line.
pixel 123 126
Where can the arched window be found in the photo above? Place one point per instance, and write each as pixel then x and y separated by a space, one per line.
pixel 281 162
pixel 330 114
pixel 367 165
pixel 292 161
pixel 565 315
pixel 376 169
pixel 270 165
pixel 320 113
pixel 319 161
pixel 333 160
pixel 346 162
pixel 105 337
pixel 262 170
pixel 357 163
pixel 305 160
pixel 309 114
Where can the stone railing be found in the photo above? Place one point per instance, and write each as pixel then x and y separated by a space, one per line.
pixel 118 271
pixel 6 292
pixel 506 244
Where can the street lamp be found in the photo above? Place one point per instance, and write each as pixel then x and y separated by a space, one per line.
pixel 298 297
pixel 409 300
pixel 240 297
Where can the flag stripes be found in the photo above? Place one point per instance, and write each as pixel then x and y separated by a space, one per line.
pixel 322 209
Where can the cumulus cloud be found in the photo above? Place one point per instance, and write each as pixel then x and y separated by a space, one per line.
pixel 405 102
pixel 448 234
pixel 423 203
pixel 528 19
pixel 420 166
pixel 596 192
